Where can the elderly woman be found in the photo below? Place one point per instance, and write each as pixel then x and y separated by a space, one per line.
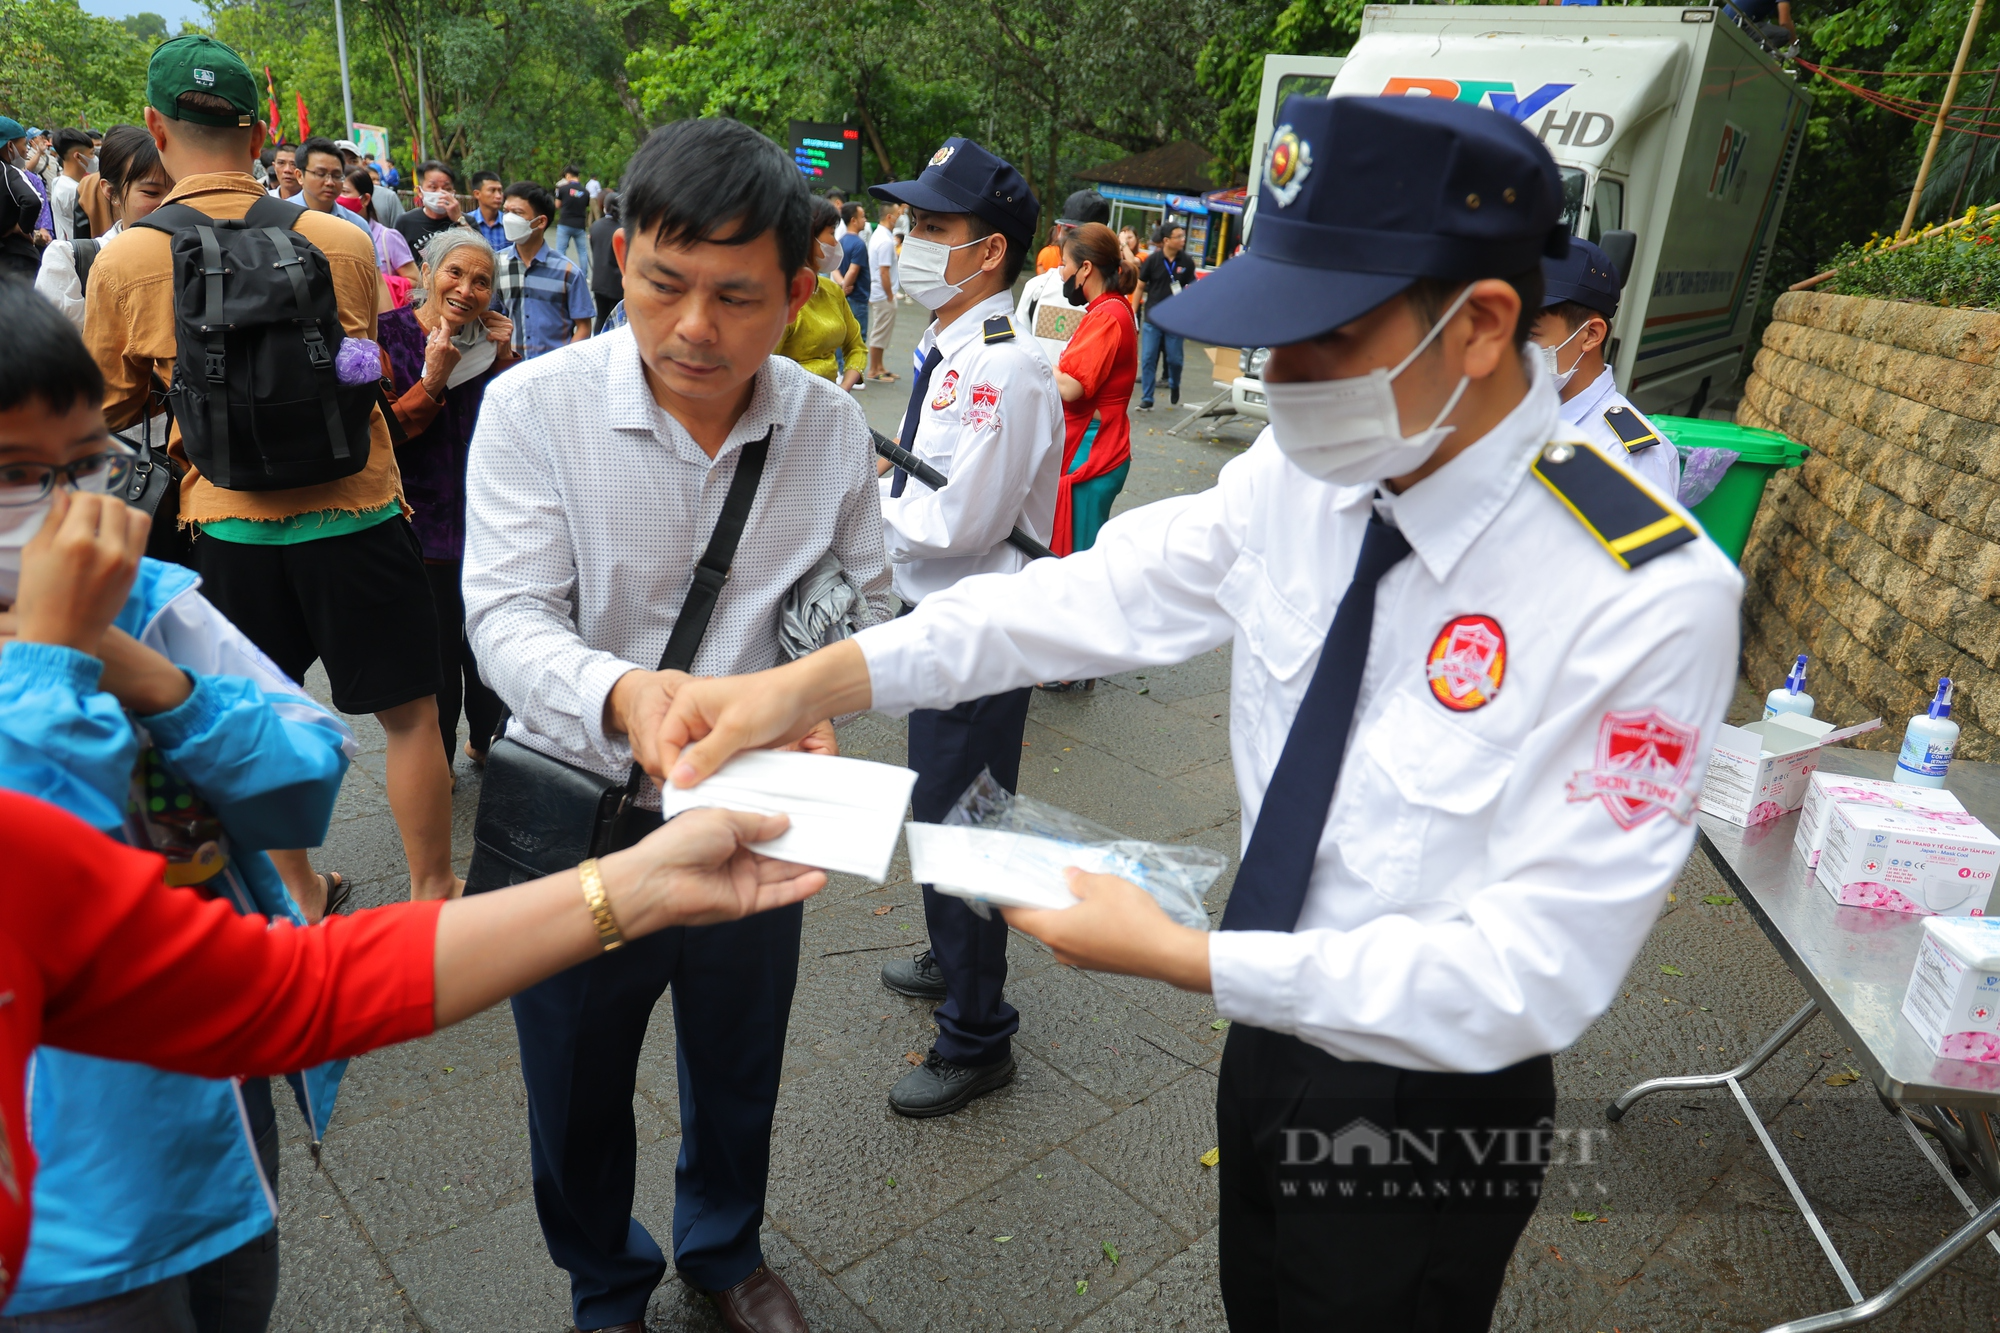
pixel 438 356
pixel 825 324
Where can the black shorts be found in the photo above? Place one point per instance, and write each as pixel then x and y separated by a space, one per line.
pixel 360 603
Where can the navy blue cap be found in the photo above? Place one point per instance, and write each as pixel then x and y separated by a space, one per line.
pixel 1586 276
pixel 1362 196
pixel 964 178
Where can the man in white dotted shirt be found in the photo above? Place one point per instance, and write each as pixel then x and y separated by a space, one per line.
pixel 1476 669
pixel 596 477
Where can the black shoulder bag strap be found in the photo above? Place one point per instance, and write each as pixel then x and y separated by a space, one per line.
pixel 83 254
pixel 711 573
pixel 276 219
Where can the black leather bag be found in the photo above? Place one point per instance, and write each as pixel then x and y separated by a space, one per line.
pixel 538 815
pixel 154 485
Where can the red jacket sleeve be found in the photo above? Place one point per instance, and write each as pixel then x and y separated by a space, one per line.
pixel 134 970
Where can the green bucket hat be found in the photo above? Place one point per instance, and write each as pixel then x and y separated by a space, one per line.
pixel 197 63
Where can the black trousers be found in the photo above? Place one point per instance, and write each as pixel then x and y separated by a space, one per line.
pixel 459 684
pixel 1362 1197
pixel 581 1032
pixel 948 748
pixel 605 305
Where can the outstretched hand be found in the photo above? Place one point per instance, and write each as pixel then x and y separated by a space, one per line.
pixel 698 869
pixel 1117 927
pixel 711 720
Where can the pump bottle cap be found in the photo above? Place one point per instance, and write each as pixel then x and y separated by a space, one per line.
pixel 1795 680
pixel 1941 706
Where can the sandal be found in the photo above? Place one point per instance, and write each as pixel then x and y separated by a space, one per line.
pixel 337 891
pixel 884 378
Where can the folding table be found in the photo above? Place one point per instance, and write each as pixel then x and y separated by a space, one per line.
pixel 1855 963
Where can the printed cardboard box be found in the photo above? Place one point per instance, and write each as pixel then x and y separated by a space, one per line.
pixel 1954 997
pixel 1759 772
pixel 1824 790
pixel 1929 863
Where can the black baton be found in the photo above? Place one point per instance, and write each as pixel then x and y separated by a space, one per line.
pixel 937 481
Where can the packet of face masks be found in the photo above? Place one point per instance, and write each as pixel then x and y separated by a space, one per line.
pixel 998 848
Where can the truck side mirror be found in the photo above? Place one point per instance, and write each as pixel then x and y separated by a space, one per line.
pixel 1619 247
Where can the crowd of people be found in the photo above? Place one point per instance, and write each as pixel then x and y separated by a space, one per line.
pixel 607 495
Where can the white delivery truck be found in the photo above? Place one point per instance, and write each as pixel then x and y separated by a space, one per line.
pixel 1671 124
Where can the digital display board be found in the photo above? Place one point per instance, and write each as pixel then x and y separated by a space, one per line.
pixel 828 155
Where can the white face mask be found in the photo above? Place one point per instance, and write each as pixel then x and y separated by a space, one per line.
pixel 1349 431
pixel 829 257
pixel 17 528
pixel 516 227
pixel 1561 377
pixel 924 263
pixel 90 165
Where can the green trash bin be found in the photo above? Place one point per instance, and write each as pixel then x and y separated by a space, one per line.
pixel 1731 507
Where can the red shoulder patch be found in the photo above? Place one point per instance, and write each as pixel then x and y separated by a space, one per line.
pixel 1643 758
pixel 984 408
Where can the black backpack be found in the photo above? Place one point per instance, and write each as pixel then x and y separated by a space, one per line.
pixel 257 328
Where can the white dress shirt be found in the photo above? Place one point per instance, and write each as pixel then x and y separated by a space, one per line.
pixel 57 278
pixel 587 506
pixel 1046 289
pixel 1659 463
pixel 62 207
pixel 1474 901
pixel 992 422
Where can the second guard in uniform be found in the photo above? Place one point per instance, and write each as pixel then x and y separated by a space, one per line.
pixel 1575 328
pixel 1476 670
pixel 984 411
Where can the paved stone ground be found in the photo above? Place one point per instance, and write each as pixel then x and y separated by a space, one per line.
pixel 423 1217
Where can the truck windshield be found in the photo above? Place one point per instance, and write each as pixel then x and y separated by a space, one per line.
pixel 1573 182
pixel 1303 85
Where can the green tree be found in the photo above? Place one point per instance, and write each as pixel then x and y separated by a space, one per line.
pixel 147 27
pixel 61 66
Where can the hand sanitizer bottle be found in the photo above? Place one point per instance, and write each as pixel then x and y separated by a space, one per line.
pixel 1928 743
pixel 1791 697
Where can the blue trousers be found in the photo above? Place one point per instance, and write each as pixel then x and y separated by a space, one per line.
pixel 580 1034
pixel 567 236
pixel 948 747
pixel 1152 341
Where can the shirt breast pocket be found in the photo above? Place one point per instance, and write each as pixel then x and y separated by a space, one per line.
pixel 1415 799
pixel 1269 677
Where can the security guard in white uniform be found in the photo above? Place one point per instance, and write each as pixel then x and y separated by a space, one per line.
pixel 1476 670
pixel 985 412
pixel 1580 299
pixel 1043 311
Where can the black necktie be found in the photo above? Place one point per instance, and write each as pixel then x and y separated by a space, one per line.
pixel 909 436
pixel 1271 883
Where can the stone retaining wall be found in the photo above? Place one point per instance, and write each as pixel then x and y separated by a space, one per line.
pixel 1881 555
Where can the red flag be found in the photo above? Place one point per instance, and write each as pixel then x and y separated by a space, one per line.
pixel 272 91
pixel 305 130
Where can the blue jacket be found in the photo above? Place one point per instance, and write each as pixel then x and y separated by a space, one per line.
pixel 147 1175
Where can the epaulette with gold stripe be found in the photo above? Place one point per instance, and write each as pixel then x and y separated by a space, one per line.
pixel 1633 431
pixel 999 329
pixel 1618 510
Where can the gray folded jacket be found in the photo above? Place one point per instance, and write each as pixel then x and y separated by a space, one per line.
pixel 820 609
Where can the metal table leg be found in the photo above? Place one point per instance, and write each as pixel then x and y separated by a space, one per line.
pixel 1772 1045
pixel 1921 1272
pixel 1798 1195
pixel 1944 1173
pixel 1206 409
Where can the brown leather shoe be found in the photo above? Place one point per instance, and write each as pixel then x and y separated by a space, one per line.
pixel 760 1303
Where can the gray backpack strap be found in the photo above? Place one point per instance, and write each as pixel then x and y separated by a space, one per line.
pixel 317 351
pixel 215 359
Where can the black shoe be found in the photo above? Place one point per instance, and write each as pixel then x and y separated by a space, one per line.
pixel 921 978
pixel 1174 396
pixel 1145 407
pixel 939 1087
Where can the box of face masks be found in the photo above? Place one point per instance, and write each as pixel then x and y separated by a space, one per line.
pixel 1759 772
pixel 1954 997
pixel 1825 790
pixel 1908 860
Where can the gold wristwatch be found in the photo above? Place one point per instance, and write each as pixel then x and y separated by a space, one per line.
pixel 600 906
